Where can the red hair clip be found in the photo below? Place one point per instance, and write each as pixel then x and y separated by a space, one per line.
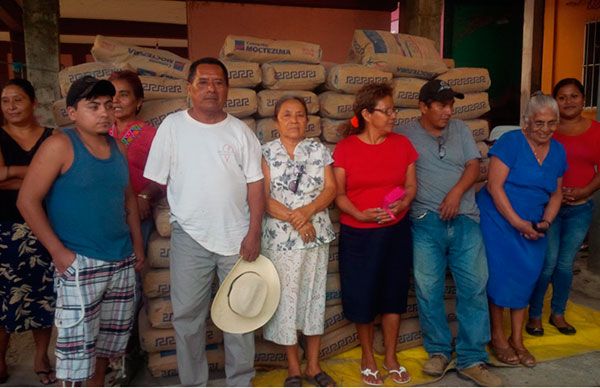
pixel 354 121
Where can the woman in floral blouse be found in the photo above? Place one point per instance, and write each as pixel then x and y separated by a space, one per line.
pixel 299 184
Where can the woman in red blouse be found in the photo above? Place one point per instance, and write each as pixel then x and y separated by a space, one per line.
pixel 581 139
pixel 374 166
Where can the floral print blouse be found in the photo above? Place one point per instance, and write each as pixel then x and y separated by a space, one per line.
pixel 296 183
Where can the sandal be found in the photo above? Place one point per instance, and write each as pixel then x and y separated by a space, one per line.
pixel 293 381
pixel 399 372
pixel 44 376
pixel 506 355
pixel 321 379
pixel 367 372
pixel 525 358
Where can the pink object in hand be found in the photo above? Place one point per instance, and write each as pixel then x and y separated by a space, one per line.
pixel 396 194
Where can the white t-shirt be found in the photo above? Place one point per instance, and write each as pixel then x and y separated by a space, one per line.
pixel 206 168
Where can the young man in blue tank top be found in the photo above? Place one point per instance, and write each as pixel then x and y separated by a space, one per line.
pixel 91 228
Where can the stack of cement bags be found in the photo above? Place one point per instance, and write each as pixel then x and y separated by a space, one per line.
pixel 163 75
pixel 286 68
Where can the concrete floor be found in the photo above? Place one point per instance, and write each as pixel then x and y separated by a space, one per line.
pixel 582 370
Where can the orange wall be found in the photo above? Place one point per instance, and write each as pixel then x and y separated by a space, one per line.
pixel 209 23
pixel 564 27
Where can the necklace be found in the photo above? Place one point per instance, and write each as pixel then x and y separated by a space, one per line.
pixel 538 156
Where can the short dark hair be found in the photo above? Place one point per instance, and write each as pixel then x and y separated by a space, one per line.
pixel 132 79
pixel 567 81
pixel 288 97
pixel 24 85
pixel 207 61
pixel 367 98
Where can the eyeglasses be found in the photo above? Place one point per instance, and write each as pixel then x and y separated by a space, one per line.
pixel 441 149
pixel 388 112
pixel 542 124
pixel 293 185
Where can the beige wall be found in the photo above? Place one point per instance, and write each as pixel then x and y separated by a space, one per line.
pixel 209 23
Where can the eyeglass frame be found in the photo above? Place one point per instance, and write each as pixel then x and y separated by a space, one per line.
pixel 539 125
pixel 388 112
pixel 294 184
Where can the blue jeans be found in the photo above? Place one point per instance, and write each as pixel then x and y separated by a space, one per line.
pixel 456 244
pixel 564 240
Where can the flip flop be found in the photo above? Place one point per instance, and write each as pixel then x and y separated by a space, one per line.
pixel 321 379
pixel 398 372
pixel 367 372
pixel 45 375
pixel 293 381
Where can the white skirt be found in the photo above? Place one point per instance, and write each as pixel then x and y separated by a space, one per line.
pixel 303 276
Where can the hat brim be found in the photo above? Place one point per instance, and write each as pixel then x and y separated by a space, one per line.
pixel 447 95
pixel 225 318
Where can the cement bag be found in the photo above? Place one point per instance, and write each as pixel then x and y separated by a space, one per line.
pixel 156 283
pixel 349 77
pixel 158 250
pixel 162 216
pixel 269 354
pixel 338 341
pixel 243 74
pixel 409 335
pixel 154 111
pixel 336 229
pixel 467 79
pixel 154 340
pixel 292 76
pixel 334 211
pixel 483 149
pixel 333 265
pixel 215 357
pixel 472 106
pixel 156 88
pixel 479 128
pixel 163 364
pixel 403 55
pixel 404 116
pixel 449 62
pixel 98 70
pixel 412 308
pixel 331 130
pixel 160 313
pixel 449 288
pixel 250 122
pixel 147 61
pixel 334 318
pixel 248 48
pixel 267 99
pixel 266 129
pixel 333 290
pixel 484 166
pixel 240 102
pixel 59 111
pixel 336 105
pixel 406 92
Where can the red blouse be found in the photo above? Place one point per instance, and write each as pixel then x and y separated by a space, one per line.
pixel 583 154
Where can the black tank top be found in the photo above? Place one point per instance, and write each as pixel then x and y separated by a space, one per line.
pixel 14 155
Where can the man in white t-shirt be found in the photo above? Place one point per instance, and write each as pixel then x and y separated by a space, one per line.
pixel 210 162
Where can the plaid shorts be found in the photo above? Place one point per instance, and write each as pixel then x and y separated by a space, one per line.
pixel 94 314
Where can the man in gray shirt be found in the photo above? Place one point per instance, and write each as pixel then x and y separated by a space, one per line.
pixel 446 234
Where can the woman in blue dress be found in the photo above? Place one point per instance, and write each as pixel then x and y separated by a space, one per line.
pixel 518 205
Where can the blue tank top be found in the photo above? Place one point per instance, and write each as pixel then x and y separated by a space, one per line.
pixel 86 204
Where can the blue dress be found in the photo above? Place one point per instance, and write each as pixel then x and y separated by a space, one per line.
pixel 514 262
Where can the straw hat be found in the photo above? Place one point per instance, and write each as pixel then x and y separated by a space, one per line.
pixel 248 297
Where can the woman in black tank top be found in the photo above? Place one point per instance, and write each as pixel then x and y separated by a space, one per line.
pixel 27 297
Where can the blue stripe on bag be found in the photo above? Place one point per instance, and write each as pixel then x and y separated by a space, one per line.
pixel 378 42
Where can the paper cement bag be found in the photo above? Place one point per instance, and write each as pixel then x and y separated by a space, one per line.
pixel 332 129
pixel 158 251
pixel 266 129
pixel 334 318
pixel 333 264
pixel 338 341
pixel 292 76
pixel 98 70
pixel 483 149
pixel 401 54
pixel 250 122
pixel 243 74
pixel 240 102
pixel 472 106
pixel 336 105
pixel 479 128
pixel 154 111
pixel 467 79
pixel 267 99
pixel 349 77
pixel 59 111
pixel 333 290
pixel 404 116
pixel 156 282
pixel 147 61
pixel 406 92
pixel 162 215
pixel 156 88
pixel 160 312
pixel 248 48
